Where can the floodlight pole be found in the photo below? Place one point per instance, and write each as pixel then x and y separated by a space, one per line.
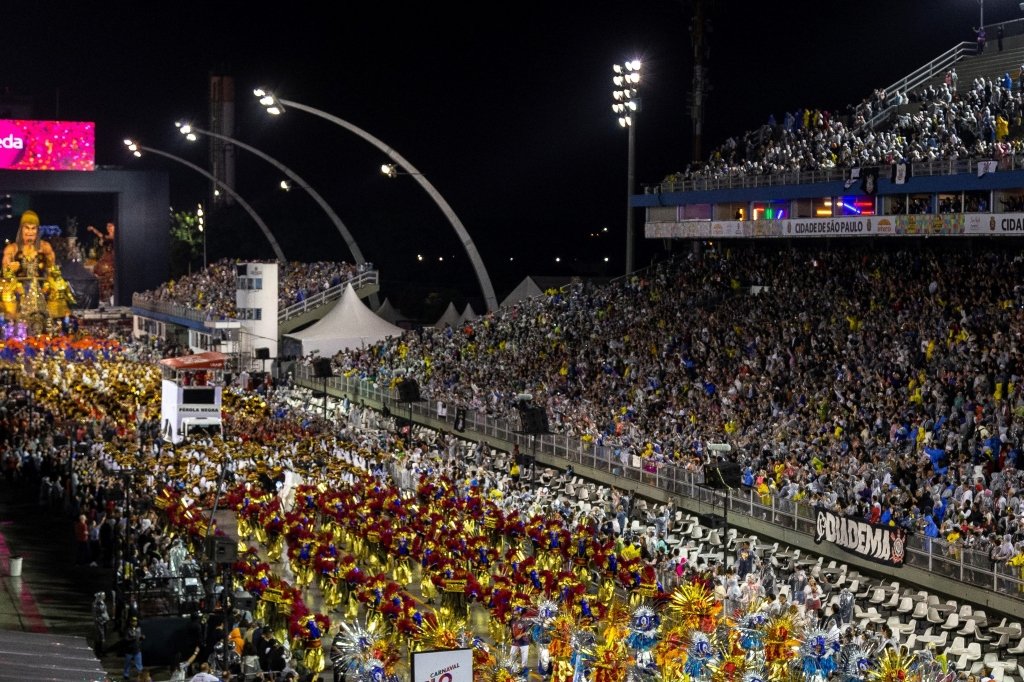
pixel 467 242
pixel 345 234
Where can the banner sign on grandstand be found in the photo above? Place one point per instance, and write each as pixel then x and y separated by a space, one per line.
pixel 47 145
pixel 883 544
pixel 904 225
pixel 448 665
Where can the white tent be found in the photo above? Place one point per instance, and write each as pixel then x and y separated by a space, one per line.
pixel 349 324
pixel 468 315
pixel 532 286
pixel 450 317
pixel 389 312
pixel 535 285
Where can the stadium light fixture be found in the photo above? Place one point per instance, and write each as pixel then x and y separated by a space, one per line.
pixel 136 149
pixel 277 106
pixel 626 105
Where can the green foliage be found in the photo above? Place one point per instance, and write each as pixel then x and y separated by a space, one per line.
pixel 186 242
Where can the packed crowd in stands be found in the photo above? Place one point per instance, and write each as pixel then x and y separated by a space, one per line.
pixel 940 121
pixel 213 288
pixel 885 382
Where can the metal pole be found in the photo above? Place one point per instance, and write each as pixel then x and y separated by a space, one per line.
pixel 482 276
pixel 242 202
pixel 228 609
pixel 630 174
pixel 332 216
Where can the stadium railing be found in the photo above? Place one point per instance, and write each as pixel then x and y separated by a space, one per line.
pixel 937 555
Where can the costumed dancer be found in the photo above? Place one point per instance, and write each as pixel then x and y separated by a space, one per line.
pixel 100 618
pixel 542 634
pixel 522 636
pixel 780 644
pixel 363 653
pixel 644 631
pixel 401 555
pixel 307 633
pixel 855 663
pixel 751 628
pixel 818 652
pixel 700 656
pixel 582 643
pixel 897 666
pixel 327 563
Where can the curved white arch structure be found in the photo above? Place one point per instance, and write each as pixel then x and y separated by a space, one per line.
pixel 132 146
pixel 269 100
pixel 345 234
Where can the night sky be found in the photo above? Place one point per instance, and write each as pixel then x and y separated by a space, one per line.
pixel 506 109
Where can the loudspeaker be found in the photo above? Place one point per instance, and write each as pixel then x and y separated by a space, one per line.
pixel 244 601
pixel 169 639
pixel 322 368
pixel 221 550
pixel 534 420
pixel 408 391
pixel 262 353
pixel 724 475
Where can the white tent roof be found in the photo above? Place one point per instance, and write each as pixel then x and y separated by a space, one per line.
pixel 349 324
pixel 449 317
pixel 389 312
pixel 468 315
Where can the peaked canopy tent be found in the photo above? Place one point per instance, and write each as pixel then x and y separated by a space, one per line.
pixel 349 324
pixel 536 285
pixel 449 318
pixel 389 312
pixel 468 314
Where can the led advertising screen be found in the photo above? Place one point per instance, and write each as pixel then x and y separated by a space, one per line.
pixel 47 145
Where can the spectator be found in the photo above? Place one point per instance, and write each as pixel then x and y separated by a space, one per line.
pixel 204 674
pixel 131 645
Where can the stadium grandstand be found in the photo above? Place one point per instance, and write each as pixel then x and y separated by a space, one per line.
pixel 833 369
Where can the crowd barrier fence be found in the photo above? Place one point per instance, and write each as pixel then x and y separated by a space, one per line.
pixel 956 560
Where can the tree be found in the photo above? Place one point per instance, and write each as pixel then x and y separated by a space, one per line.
pixel 186 242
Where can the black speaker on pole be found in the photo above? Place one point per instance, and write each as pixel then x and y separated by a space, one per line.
pixel 322 368
pixel 408 391
pixel 221 550
pixel 723 475
pixel 262 353
pixel 534 420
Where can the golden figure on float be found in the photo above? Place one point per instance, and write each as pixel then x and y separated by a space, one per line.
pixel 32 289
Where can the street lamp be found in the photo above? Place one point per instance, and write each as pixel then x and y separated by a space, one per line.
pixel 136 149
pixel 276 106
pixel 626 105
pixel 190 132
pixel 202 229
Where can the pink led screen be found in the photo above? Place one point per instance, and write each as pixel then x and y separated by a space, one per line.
pixel 47 145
